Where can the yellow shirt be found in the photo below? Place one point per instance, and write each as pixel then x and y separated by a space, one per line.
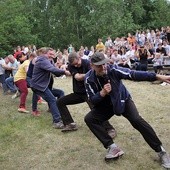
pixel 22 71
pixel 100 46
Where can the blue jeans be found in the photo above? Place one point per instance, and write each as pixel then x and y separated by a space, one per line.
pixel 10 84
pixel 34 95
pixel 2 80
pixel 51 100
pixel 35 98
pixel 57 93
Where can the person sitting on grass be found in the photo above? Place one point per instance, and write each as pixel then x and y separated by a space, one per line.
pixel 13 66
pixel 110 97
pixel 3 65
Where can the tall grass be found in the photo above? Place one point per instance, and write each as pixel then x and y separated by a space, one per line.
pixel 28 142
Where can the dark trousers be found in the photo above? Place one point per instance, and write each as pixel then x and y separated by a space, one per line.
pixel 142 67
pixel 96 117
pixel 72 99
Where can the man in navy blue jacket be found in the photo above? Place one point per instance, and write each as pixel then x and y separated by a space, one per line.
pixel 110 97
pixel 42 72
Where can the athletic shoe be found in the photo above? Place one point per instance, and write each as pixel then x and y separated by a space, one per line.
pixel 23 110
pixel 17 94
pixel 113 153
pixel 58 125
pixel 63 77
pixel 40 101
pixel 36 113
pixel 70 127
pixel 165 159
pixel 164 84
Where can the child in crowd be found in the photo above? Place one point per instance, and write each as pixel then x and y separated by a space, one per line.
pixel 158 63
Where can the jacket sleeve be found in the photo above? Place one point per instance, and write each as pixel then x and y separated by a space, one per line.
pixel 92 92
pixel 125 73
pixel 46 65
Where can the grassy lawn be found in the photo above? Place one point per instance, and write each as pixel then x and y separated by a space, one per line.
pixel 28 142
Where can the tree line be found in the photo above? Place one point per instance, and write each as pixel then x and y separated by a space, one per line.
pixel 58 23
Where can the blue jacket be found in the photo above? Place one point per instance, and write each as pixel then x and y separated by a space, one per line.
pixel 119 94
pixel 42 73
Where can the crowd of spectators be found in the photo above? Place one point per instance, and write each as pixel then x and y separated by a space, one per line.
pixel 134 51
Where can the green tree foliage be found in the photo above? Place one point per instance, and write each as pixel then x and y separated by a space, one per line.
pixel 15 27
pixel 160 16
pixel 79 22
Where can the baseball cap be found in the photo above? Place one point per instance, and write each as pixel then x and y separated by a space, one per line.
pixel 98 58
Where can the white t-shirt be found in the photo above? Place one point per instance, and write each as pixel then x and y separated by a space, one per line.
pixel 14 65
pixel 2 70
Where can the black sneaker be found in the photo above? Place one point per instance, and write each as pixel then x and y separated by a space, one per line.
pixel 165 159
pixel 70 127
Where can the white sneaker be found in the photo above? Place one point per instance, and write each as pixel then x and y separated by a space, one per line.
pixel 63 77
pixel 163 84
pixel 165 159
pixel 23 110
pixel 17 94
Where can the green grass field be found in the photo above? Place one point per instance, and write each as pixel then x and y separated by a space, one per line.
pixel 28 142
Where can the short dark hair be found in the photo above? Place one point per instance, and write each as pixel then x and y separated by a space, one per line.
pixel 72 56
pixel 19 56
